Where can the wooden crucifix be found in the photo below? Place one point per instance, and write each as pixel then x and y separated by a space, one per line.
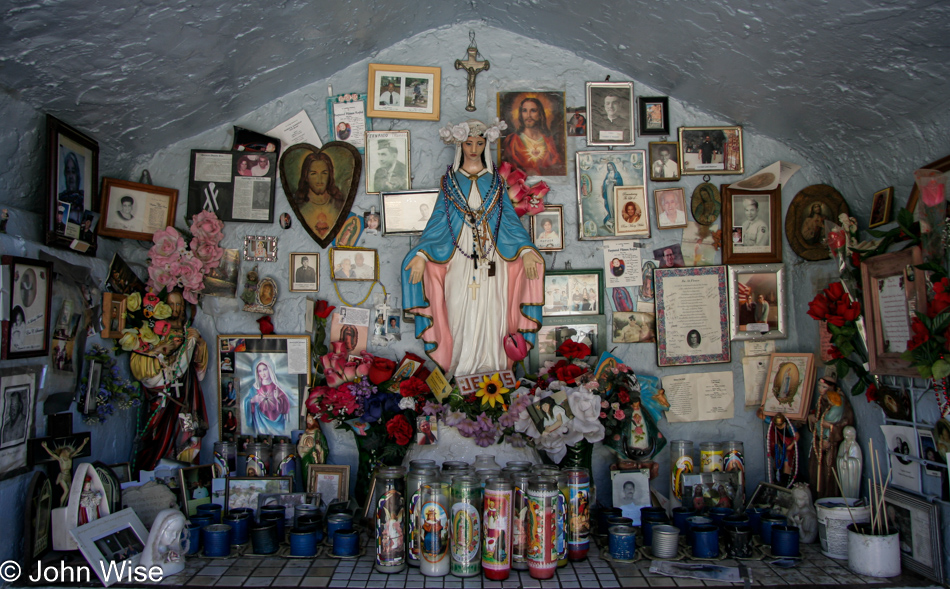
pixel 473 67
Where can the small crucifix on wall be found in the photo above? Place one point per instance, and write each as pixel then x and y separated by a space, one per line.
pixel 473 67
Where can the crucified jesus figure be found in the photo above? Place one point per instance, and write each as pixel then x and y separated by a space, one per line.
pixel 473 67
pixel 64 456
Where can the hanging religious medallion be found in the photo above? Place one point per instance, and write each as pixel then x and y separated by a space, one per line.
pixel 321 184
pixel 806 217
pixel 706 203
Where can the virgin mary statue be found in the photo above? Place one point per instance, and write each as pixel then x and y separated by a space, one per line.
pixel 474 277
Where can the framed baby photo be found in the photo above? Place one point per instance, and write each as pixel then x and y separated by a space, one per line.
pixel 610 113
pixel 407 212
pixel 547 229
pixel 404 91
pixel 670 206
pixel 654 115
pixel 72 178
pixel 387 161
pixel 347 120
pixel 573 292
pixel 135 211
pixel 633 219
pixel 590 330
pixel 260 248
pixel 757 305
pixel 881 207
pixel 354 263
pixel 752 219
pixel 710 150
pixel 305 272
pixel 664 161
pixel 26 332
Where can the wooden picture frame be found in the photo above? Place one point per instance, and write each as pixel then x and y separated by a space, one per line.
pixel 747 284
pixel 610 116
pixel 711 150
pixel 260 248
pixel 407 212
pixel 881 204
pixel 320 477
pixel 415 91
pixel 692 316
pixel 662 197
pixel 197 478
pixel 113 315
pixel 245 491
pixel 239 357
pixel 742 236
pixel 556 330
pixel 26 328
pixel 118 537
pixel 942 165
pixel 72 175
pixel 893 288
pixel 149 209
pixel 349 264
pixel 903 511
pixel 301 272
pixel 789 385
pixel 548 240
pixel 388 161
pixel 347 120
pixel 805 220
pixel 654 115
pixel 573 286
pixel 660 169
pixel 598 173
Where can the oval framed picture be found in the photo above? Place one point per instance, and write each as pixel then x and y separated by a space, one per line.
pixel 806 216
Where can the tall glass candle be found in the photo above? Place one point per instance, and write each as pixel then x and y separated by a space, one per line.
pixel 432 522
pixel 496 546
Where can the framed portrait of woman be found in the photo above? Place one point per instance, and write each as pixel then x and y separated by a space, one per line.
pixel 321 184
pixel 267 377
pixel 26 327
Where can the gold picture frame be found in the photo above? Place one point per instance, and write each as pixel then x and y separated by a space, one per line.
pixel 113 315
pixel 403 91
pixel 341 472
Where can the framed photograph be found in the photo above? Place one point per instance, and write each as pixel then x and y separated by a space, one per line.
pixel 332 481
pixel 320 184
pixel 757 304
pixel 775 498
pixel 670 256
pixel 630 491
pixel 928 451
pixel 576 121
pixel 551 413
pixel 249 362
pixel 122 278
pixel 634 217
pixel 135 211
pixel 123 471
pixel 664 161
pixel 942 165
pixel 692 315
pixel 404 91
pixel 234 185
pixel 223 280
pixel 610 113
pixel 633 327
pixel 893 289
pixel 113 315
pixel 598 173
pixel 881 207
pixel 72 174
pixel 710 150
pixel 535 140
pixel 547 229
pixel 654 115
pixel 245 491
pixel 918 523
pixel 573 292
pixel 347 120
pixel 194 487
pixel 26 331
pixel 554 331
pixel 387 161
pixel 18 392
pixel 305 272
pixel 350 231
pixel 805 220
pixel 116 538
pixel 354 263
pixel 788 385
pixel 754 221
pixel 407 212
pixel 260 248
pixel 670 206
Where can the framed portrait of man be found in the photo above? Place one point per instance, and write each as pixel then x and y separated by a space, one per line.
pixel 72 170
pixel 664 161
pixel 135 211
pixel 305 272
pixel 710 150
pixel 387 161
pixel 535 139
pixel 752 220
pixel 610 113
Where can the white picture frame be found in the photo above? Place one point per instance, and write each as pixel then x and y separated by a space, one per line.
pixel 120 534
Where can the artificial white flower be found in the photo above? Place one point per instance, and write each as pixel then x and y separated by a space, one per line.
pixel 460 132
pixel 407 403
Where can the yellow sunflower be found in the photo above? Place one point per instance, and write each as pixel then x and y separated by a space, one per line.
pixel 491 390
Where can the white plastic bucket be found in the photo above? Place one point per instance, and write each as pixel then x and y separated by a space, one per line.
pixel 833 524
pixel 874 556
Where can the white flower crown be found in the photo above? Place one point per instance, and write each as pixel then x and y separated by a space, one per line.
pixel 455 134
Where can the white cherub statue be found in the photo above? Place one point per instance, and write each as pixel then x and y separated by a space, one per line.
pixel 166 545
pixel 802 514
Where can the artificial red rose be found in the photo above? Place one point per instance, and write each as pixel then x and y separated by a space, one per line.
pixel 323 309
pixel 835 353
pixel 471 398
pixel 871 393
pixel 399 429
pixel 569 373
pixel 834 291
pixel 381 370
pixel 623 397
pixel 941 300
pixel 921 333
pixel 836 320
pixel 852 312
pixel 573 350
pixel 818 307
pixel 267 326
pixel 836 239
pixel 855 259
pixel 422 373
pixel 413 387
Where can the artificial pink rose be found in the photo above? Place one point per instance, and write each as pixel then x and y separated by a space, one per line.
pixel 167 242
pixel 618 414
pixel 190 296
pixel 209 254
pixel 504 169
pixel 516 191
pixel 539 190
pixel 333 366
pixel 159 278
pixel 338 347
pixel 190 274
pixel 206 227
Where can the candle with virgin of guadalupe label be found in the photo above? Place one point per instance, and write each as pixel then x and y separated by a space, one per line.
pixel 466 526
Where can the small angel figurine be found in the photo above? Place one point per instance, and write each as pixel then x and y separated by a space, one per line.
pixel 802 514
